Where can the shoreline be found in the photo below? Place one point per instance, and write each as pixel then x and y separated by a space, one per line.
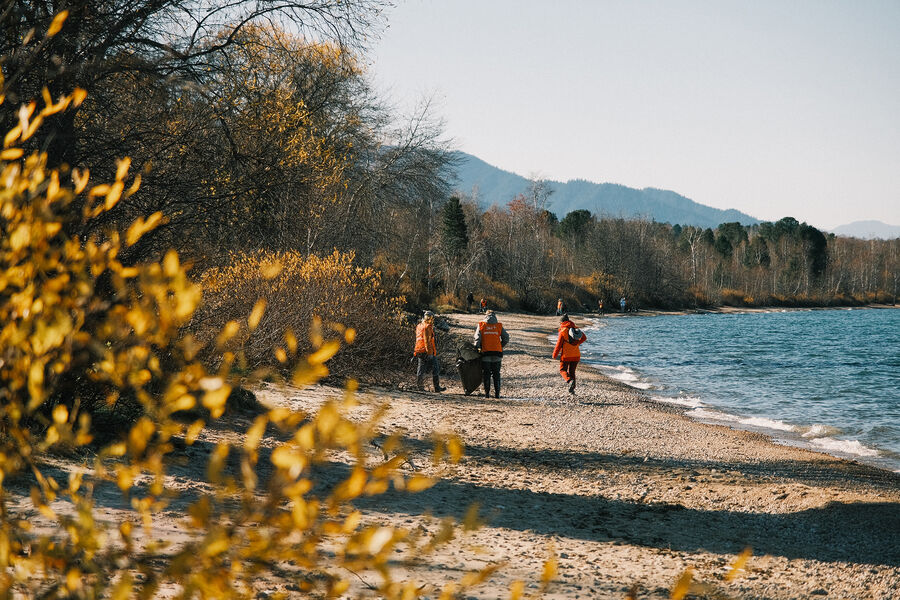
pixel 806 434
pixel 650 312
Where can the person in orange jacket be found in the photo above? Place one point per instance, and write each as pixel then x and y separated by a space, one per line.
pixel 570 337
pixel 490 339
pixel 426 353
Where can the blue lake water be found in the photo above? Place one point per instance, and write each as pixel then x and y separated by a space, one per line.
pixel 824 379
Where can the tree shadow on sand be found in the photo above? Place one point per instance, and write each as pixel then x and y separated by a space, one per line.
pixel 866 533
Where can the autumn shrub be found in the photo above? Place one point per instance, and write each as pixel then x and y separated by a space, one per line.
pixel 286 294
pixel 731 297
pixel 81 333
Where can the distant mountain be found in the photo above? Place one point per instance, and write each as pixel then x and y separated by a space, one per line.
pixel 496 186
pixel 868 230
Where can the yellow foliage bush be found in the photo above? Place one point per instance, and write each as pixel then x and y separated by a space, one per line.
pixel 277 294
pixel 80 333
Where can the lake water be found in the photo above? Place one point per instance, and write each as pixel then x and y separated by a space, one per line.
pixel 824 379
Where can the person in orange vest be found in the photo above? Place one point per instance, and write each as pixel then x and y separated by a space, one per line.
pixel 483 305
pixel 426 353
pixel 570 337
pixel 490 338
pixel 560 307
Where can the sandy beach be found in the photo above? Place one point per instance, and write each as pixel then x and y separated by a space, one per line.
pixel 627 491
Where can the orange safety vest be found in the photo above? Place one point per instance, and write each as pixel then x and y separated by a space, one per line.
pixel 425 339
pixel 559 305
pixel 490 336
pixel 564 349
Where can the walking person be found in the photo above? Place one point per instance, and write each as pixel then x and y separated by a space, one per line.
pixel 490 339
pixel 622 303
pixel 483 305
pixel 570 337
pixel 470 299
pixel 560 307
pixel 426 353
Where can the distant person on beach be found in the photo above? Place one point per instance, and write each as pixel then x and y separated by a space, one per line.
pixel 426 353
pixel 483 305
pixel 490 339
pixel 570 337
pixel 560 307
pixel 470 299
pixel 622 303
pixel 600 307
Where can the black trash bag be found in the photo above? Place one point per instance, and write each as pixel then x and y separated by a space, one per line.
pixel 468 363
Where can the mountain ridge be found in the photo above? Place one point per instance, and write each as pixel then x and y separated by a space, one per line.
pixel 868 229
pixel 493 185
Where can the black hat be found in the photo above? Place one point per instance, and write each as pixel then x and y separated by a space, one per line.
pixel 564 318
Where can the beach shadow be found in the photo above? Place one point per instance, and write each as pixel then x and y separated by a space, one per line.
pixel 856 533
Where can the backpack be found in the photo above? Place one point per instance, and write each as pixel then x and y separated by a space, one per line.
pixel 574 335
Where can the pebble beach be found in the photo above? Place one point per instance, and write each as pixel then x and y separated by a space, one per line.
pixel 627 493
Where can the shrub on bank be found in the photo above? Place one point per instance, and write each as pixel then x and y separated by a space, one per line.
pixel 276 294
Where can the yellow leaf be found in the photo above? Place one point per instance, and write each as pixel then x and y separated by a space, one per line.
pixel 171 266
pixel 78 96
pixel 113 195
pixel 271 270
pixel 36 384
pixel 418 483
pixel 123 588
pixel 214 401
pixel 683 585
pixel 739 563
pixel 193 430
pixel 217 546
pixel 122 166
pixel 259 310
pixel 353 486
pixel 456 448
pixel 350 335
pixel 57 23
pixel 135 186
pixel 11 154
pixel 321 355
pixel 11 135
pixel 378 539
pixel 80 178
pixel 255 432
pixel 231 328
pixel 60 414
pixel 516 589
pixel 289 458
pixel 550 570
pixel 73 580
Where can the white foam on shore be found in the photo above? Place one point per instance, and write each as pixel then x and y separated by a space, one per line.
pixel 817 436
pixel 819 431
pixel 688 401
pixel 627 376
pixel 853 447
pixel 765 423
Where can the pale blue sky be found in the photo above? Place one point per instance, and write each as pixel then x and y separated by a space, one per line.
pixel 775 108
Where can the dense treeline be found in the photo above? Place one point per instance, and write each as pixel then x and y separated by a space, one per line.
pixel 522 256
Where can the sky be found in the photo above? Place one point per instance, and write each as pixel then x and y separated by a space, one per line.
pixel 773 107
